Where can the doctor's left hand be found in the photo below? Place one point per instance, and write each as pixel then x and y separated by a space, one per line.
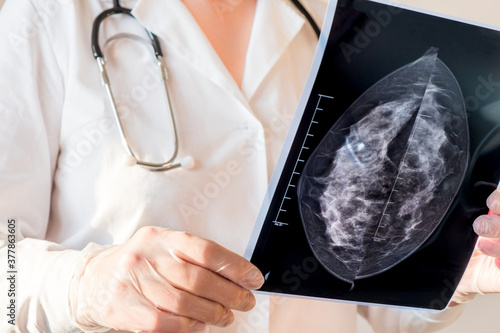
pixel 161 281
pixel 482 275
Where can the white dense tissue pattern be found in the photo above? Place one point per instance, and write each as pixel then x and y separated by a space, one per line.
pixel 381 180
pixel 376 131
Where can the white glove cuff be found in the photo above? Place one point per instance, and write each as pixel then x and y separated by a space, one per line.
pixel 76 301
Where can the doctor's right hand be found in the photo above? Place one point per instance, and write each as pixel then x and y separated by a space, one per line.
pixel 161 281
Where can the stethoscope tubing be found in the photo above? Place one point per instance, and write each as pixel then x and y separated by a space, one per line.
pixel 131 158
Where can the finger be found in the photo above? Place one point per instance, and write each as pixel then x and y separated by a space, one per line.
pixel 160 321
pixel 179 302
pixel 487 226
pixel 204 283
pixel 493 202
pixel 157 320
pixel 490 247
pixel 208 254
pixel 202 252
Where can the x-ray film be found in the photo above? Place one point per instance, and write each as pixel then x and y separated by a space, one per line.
pixel 389 160
pixel 383 177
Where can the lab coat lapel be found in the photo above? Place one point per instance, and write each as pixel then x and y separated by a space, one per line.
pixel 275 25
pixel 173 23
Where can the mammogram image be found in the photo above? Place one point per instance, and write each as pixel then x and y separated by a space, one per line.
pixel 383 177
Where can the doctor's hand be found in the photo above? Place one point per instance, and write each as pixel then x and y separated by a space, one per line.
pixel 482 275
pixel 161 281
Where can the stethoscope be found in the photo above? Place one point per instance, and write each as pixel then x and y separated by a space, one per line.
pixel 130 158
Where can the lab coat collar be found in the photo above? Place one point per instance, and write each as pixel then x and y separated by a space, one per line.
pixel 172 22
pixel 275 26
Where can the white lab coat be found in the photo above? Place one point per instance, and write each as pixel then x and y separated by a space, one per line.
pixel 61 175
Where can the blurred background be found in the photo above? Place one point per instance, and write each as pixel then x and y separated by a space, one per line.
pixel 482 314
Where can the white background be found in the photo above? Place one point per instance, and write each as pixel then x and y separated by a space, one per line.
pixel 482 314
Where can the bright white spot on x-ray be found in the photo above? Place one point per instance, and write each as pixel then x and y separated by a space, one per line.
pixel 383 177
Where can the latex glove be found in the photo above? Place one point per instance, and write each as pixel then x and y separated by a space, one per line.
pixel 482 275
pixel 161 281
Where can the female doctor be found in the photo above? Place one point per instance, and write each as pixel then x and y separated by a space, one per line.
pixel 87 255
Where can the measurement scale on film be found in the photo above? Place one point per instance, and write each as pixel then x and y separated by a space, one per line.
pixel 306 150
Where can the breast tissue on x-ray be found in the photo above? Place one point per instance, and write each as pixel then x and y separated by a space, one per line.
pixel 381 180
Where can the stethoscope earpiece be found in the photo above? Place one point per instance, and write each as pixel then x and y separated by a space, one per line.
pixel 187 162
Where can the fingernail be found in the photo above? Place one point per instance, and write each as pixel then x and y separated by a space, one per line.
pixel 200 327
pixel 478 225
pixel 248 302
pixel 228 318
pixel 489 200
pixel 254 279
pixel 492 201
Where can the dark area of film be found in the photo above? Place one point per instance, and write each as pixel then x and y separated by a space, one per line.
pixel 369 41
